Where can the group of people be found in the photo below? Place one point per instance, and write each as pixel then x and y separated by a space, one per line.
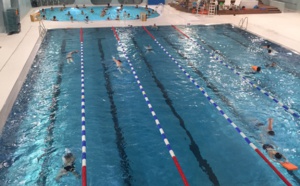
pixel 271 52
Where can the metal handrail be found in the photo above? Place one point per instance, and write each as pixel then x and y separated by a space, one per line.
pixel 241 23
pixel 42 29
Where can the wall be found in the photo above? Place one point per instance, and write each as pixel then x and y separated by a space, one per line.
pixel 288 4
pixel 23 5
pixel 2 27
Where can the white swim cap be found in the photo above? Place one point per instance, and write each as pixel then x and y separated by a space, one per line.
pixel 67 150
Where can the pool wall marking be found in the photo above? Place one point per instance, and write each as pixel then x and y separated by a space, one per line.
pixel 285 107
pixel 166 141
pixel 83 134
pixel 222 112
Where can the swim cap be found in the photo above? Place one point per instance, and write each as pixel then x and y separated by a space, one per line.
pixel 271 132
pixel 67 150
pixel 278 155
pixel 258 69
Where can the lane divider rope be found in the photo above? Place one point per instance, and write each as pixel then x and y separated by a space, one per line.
pixel 83 134
pixel 285 107
pixel 166 141
pixel 221 111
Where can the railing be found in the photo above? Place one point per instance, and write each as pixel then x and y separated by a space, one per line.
pixel 161 9
pixel 42 29
pixel 242 22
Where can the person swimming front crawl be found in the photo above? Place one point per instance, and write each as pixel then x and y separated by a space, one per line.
pixel 68 165
pixel 273 154
pixel 69 56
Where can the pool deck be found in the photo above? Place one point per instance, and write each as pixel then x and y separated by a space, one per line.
pixel 18 50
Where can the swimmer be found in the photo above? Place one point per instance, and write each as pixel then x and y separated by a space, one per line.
pixel 118 17
pixel 83 6
pixel 87 19
pixel 118 63
pixel 273 64
pixel 71 18
pixel 155 26
pixel 137 17
pixel 76 6
pixel 68 165
pixel 108 18
pixel 272 52
pixel 44 17
pixel 92 11
pixel 82 12
pixel 69 13
pixel 149 49
pixel 54 18
pixel 51 8
pixel 267 46
pixel 146 7
pixel 136 6
pixel 270 127
pixel 256 68
pixel 69 56
pixel 273 154
pixel 108 5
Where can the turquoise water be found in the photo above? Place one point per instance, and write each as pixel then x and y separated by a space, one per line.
pixel 124 146
pixel 111 13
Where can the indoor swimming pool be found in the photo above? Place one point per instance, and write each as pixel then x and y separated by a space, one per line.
pixel 96 13
pixel 152 121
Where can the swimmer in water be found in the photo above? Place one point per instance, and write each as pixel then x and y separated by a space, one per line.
pixel 273 64
pixel 68 165
pixel 149 49
pixel 256 69
pixel 273 154
pixel 118 63
pixel 69 56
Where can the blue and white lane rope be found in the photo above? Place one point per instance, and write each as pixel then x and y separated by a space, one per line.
pixel 183 177
pixel 221 111
pixel 83 138
pixel 285 107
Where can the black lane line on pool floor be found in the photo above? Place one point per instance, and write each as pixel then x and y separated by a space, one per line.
pixel 120 140
pixel 52 118
pixel 193 145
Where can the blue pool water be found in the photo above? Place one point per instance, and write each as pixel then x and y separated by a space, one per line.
pixel 124 146
pixel 111 13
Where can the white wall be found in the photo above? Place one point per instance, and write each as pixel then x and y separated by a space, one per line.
pixel 2 27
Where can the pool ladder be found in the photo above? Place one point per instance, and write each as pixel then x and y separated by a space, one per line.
pixel 242 22
pixel 42 29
